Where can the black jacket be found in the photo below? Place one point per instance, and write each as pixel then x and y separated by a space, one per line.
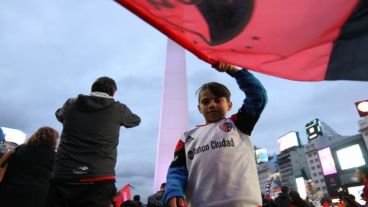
pixel 26 180
pixel 283 200
pixel 88 143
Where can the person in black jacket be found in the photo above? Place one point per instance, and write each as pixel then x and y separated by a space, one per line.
pixel 84 172
pixel 157 199
pixel 283 199
pixel 26 180
pixel 296 200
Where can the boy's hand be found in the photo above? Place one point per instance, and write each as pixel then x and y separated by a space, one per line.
pixel 177 202
pixel 225 67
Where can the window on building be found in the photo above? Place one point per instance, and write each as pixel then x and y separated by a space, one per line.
pixel 318 166
pixel 316 159
pixel 314 174
pixel 323 187
pixel 322 180
pixel 309 154
pixel 319 173
pixel 313 168
pixel 316 181
pixel 318 188
pixel 311 161
pixel 315 153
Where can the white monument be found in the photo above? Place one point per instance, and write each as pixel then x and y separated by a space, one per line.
pixel 174 110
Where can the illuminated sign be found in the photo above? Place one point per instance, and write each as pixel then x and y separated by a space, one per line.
pixel 357 191
pixel 289 140
pixel 261 155
pixel 313 129
pixel 350 157
pixel 300 185
pixel 327 162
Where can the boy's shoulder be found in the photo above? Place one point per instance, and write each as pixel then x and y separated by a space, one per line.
pixel 187 136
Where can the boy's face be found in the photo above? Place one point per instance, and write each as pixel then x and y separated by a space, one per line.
pixel 213 108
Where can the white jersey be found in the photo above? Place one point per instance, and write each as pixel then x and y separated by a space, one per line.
pixel 221 167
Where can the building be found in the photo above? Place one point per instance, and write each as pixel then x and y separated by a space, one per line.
pixel 363 129
pixel 345 156
pixel 320 137
pixel 267 173
pixel 315 168
pixel 292 165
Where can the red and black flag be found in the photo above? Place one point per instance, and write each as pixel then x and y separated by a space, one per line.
pixel 306 40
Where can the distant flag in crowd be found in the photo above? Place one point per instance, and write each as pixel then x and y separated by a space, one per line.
pixel 123 194
pixel 306 40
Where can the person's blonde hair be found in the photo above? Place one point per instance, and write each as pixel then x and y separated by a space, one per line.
pixel 45 136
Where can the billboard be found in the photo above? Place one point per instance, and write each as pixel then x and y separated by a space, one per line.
pixel 327 161
pixel 313 129
pixel 350 157
pixel 289 140
pixel 300 185
pixel 357 192
pixel 261 155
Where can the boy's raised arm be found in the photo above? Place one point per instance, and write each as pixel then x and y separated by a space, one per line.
pixel 256 96
pixel 253 104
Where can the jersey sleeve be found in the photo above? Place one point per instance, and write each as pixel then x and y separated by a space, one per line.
pixel 253 104
pixel 177 175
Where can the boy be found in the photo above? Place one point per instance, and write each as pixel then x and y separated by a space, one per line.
pixel 214 164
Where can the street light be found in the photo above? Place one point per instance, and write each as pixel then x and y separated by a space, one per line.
pixel 362 107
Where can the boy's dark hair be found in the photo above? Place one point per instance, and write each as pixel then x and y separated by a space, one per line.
pixel 216 89
pixel 285 189
pixel 105 85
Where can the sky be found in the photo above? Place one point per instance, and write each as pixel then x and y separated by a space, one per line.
pixel 54 50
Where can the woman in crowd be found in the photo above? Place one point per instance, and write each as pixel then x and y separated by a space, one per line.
pixel 26 180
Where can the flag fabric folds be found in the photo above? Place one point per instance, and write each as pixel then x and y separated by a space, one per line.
pixel 305 40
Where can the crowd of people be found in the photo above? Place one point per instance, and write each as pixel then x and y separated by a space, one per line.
pixel 154 200
pixel 81 172
pixel 213 164
pixel 315 198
